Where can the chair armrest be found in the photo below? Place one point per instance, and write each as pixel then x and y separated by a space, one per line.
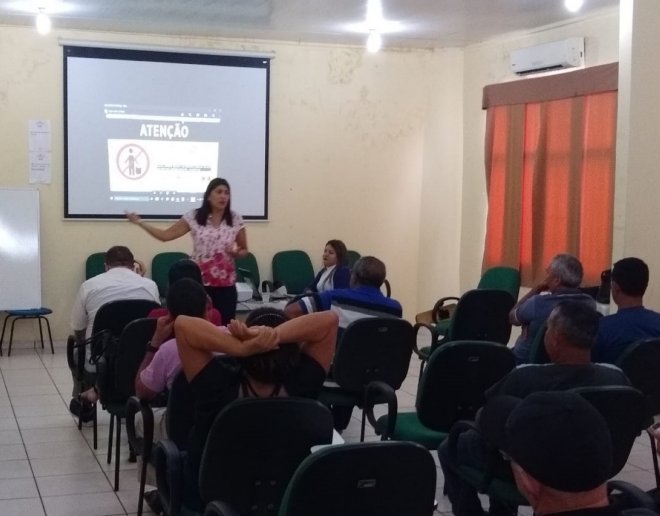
pixel 218 508
pixel 434 338
pixel 439 304
pixel 630 495
pixel 169 462
pixel 379 392
pixel 141 445
pixel 493 461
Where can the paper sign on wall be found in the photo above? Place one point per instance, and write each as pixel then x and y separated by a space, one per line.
pixel 39 144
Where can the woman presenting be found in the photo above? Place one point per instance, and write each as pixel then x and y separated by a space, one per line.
pixel 218 235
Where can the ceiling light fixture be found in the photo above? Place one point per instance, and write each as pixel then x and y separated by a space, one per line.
pixel 374 22
pixel 573 5
pixel 374 41
pixel 43 22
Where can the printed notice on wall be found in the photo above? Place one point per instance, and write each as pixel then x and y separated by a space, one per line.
pixel 39 144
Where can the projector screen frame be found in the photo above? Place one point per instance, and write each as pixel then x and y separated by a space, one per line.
pixel 171 55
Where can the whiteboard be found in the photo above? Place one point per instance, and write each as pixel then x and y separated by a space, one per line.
pixel 20 257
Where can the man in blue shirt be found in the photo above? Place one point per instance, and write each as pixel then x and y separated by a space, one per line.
pixel 362 299
pixel 632 322
pixel 531 312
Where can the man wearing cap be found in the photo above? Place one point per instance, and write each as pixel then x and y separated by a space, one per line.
pixel 560 450
pixel 632 322
pixel 572 328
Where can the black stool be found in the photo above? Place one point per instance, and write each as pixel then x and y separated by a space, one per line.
pixel 32 313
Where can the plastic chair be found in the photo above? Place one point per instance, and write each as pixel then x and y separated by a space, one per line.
pixel 160 267
pixel 374 349
pixel 352 257
pixel 178 422
pixel 641 362
pixel 481 314
pixel 255 446
pixel 110 321
pixel 34 313
pixel 117 381
pixel 452 388
pixel 247 270
pixel 367 479
pixel 537 352
pixel 495 278
pixel 293 269
pixel 630 498
pixel 94 265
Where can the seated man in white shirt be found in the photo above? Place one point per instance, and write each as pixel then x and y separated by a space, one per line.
pixel 119 281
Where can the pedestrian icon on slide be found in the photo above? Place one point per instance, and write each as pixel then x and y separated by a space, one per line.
pixel 132 161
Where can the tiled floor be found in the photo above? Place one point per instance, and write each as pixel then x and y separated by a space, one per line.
pixel 48 467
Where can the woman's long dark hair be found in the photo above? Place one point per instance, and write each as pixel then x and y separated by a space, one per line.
pixel 340 251
pixel 203 212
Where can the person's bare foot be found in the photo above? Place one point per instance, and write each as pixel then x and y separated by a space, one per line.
pixel 90 395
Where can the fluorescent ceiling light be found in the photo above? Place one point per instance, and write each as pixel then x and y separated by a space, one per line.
pixel 43 22
pixel 374 41
pixel 573 5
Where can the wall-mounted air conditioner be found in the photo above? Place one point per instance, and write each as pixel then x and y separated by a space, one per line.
pixel 567 53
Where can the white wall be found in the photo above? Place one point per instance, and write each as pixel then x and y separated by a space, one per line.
pixel 356 140
pixel 638 153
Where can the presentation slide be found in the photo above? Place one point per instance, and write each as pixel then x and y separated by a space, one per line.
pixel 146 132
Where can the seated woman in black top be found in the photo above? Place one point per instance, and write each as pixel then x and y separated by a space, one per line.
pixel 274 356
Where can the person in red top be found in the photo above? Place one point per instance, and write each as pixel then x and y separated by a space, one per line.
pixel 186 269
pixel 219 237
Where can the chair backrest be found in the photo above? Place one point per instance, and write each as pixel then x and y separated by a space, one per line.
pixel 94 265
pixel 352 257
pixel 382 478
pixel 641 363
pixel 115 315
pixel 254 447
pixel 455 379
pixel 248 269
pixel 502 278
pixel 294 269
pixel 130 352
pixel 160 268
pixel 482 314
pixel 622 407
pixel 374 348
pixel 180 411
pixel 537 352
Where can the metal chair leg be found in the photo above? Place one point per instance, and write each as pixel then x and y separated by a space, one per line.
pixel 654 451
pixel 2 337
pixel 95 424
pixel 50 336
pixel 117 453
pixel 112 426
pixel 41 333
pixel 11 335
pixel 143 481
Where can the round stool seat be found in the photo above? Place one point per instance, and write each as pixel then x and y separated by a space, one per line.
pixel 30 312
pixel 22 314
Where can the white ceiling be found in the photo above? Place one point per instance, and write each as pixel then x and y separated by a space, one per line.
pixel 423 23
